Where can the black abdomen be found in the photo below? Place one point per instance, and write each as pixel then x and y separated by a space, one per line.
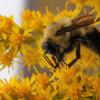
pixel 93 40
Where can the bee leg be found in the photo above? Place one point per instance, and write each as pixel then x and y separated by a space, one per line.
pixel 65 63
pixel 56 63
pixel 77 55
pixel 53 58
pixel 72 62
pixel 47 59
pixel 61 64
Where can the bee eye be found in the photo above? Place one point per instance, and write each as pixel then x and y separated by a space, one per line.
pixel 58 33
pixel 61 31
pixel 49 47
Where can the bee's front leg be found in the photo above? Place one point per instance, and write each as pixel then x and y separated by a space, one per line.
pixel 77 54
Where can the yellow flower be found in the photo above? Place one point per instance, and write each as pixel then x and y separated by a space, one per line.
pixel 9 86
pixel 79 7
pixel 66 75
pixel 48 18
pixel 24 88
pixel 6 24
pixel 47 94
pixel 4 96
pixel 90 3
pixel 61 87
pixel 32 21
pixel 74 91
pixel 42 80
pixel 16 38
pixel 31 56
pixel 36 25
pixel 95 4
pixel 67 13
pixel 26 15
pixel 96 87
pixel 2 46
pixel 6 58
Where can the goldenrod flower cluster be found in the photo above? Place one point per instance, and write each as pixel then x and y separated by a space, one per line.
pixel 94 4
pixel 80 82
pixel 63 84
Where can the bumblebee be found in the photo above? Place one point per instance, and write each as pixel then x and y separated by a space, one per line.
pixel 58 42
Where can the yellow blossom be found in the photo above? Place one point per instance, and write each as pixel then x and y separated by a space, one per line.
pixel 26 15
pixel 48 18
pixel 2 47
pixel 47 94
pixel 24 87
pixel 90 3
pixel 96 86
pixel 74 91
pixel 67 13
pixel 95 4
pixel 6 58
pixel 6 27
pixel 31 56
pixel 32 21
pixel 6 24
pixel 9 86
pixel 4 96
pixel 42 80
pixel 61 87
pixel 66 75
pixel 16 38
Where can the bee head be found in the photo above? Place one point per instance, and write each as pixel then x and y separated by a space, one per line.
pixel 55 51
pixel 50 47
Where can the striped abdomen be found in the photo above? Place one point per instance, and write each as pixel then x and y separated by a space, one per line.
pixel 93 40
